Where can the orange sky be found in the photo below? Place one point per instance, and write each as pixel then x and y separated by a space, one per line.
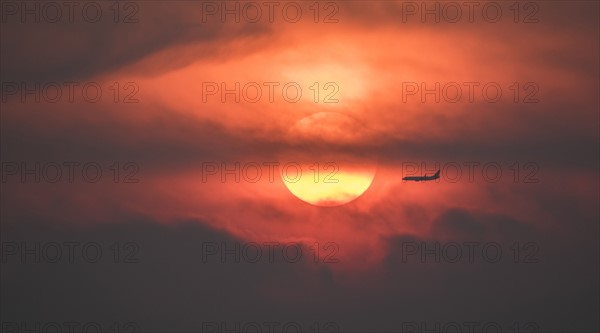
pixel 374 67
pixel 370 55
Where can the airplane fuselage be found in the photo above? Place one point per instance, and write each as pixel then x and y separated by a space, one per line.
pixel 423 178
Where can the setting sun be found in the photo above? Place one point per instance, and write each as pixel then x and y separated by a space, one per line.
pixel 322 166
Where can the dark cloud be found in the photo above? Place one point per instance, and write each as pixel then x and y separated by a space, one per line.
pixel 69 51
pixel 172 289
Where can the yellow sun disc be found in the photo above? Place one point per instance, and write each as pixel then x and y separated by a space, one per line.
pixel 326 163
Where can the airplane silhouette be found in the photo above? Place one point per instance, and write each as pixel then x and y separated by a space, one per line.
pixel 423 178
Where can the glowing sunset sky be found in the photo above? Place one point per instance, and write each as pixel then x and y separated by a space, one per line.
pixel 371 67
